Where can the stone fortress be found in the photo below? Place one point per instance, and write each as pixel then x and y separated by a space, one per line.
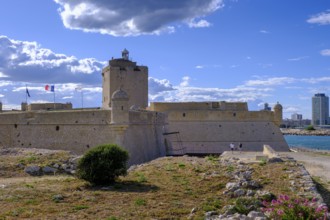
pixel 147 132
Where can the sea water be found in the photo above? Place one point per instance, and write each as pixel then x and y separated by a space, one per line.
pixel 313 142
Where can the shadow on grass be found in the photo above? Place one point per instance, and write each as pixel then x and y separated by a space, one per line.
pixel 126 186
pixel 325 193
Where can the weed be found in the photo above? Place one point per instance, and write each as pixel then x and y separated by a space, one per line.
pixel 32 158
pixel 112 218
pixel 29 186
pixel 230 168
pixel 263 162
pixel 220 186
pixel 31 202
pixel 198 169
pixel 181 165
pixel 140 202
pixel 245 205
pixel 80 207
pixel 211 158
pixel 169 167
pixel 212 204
pixel 141 178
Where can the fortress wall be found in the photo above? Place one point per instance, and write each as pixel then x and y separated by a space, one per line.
pixel 212 131
pixel 144 137
pixel 217 115
pixel 66 130
pixel 169 106
pixel 215 137
pixel 56 117
pixel 78 131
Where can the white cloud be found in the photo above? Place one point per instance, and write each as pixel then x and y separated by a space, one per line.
pixel 184 92
pixel 199 67
pixel 275 81
pixel 159 85
pixel 5 83
pixel 265 65
pixel 264 32
pixel 67 97
pixel 291 109
pixel 321 18
pixel 198 24
pixel 316 80
pixel 298 58
pixel 133 18
pixel 28 61
pixel 325 52
pixel 185 81
pixel 2 75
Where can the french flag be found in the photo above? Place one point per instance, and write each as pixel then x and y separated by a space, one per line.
pixel 50 88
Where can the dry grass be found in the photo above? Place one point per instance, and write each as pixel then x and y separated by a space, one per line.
pixel 166 188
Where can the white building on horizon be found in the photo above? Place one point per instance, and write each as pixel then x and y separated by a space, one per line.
pixel 320 109
pixel 296 117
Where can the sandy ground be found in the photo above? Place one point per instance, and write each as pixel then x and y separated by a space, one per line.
pixel 315 163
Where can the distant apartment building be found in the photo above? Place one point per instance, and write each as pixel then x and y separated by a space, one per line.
pixel 296 117
pixel 320 109
pixel 296 121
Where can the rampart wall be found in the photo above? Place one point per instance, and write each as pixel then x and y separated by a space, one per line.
pixel 211 131
pixel 78 131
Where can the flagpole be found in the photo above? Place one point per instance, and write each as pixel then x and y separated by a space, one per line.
pixel 54 98
pixel 82 99
pixel 26 94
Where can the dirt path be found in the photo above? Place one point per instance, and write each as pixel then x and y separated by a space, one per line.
pixel 316 164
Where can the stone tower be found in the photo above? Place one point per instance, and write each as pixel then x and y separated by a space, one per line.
pixel 124 74
pixel 24 106
pixel 119 112
pixel 278 114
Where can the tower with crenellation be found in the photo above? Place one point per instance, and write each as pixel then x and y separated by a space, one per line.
pixel 123 74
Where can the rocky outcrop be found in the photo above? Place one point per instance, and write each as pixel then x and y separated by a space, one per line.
pixel 318 132
pixel 68 167
pixel 243 187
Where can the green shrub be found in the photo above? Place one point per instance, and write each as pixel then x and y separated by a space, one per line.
pixel 310 128
pixel 103 164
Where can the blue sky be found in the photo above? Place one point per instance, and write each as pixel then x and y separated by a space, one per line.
pixel 197 50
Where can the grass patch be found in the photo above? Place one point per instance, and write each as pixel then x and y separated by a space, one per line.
pixel 230 168
pixel 167 188
pixel 141 177
pixel 80 207
pixel 140 202
pixel 181 165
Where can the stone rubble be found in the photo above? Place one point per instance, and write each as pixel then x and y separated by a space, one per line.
pixel 242 186
pixel 68 167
